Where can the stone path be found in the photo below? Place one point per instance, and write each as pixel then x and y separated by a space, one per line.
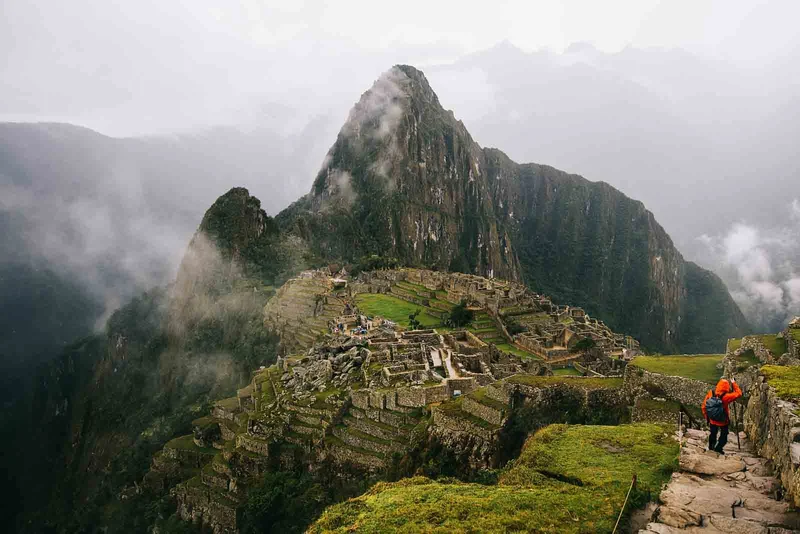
pixel 712 493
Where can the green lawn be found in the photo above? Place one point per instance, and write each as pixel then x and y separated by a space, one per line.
pixel 785 380
pixel 566 371
pixel 774 344
pixel 517 351
pixel 585 383
pixel 187 443
pixel 568 479
pixel 394 309
pixel 701 367
pixel 734 344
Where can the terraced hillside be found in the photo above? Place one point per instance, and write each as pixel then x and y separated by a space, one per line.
pixel 302 309
pixel 568 479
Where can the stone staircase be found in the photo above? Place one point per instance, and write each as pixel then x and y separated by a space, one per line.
pixel 733 493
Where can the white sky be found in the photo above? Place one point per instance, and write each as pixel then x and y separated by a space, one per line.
pixel 149 66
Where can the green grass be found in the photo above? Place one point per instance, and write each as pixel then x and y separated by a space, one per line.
pixel 410 286
pixel 453 409
pixel 785 380
pixel 746 359
pixel 186 443
pixel 734 344
pixel 568 479
pixel 229 404
pixel 517 351
pixel 795 333
pixel 701 367
pixel 479 395
pixel 566 371
pixel 776 345
pixel 394 309
pixel 585 383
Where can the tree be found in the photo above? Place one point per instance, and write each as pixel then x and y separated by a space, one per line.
pixel 413 323
pixel 514 327
pixel 584 345
pixel 460 315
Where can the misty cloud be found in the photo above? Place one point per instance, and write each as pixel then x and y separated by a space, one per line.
pixel 693 113
pixel 380 109
pixel 760 268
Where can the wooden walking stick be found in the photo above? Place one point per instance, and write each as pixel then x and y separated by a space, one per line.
pixel 736 420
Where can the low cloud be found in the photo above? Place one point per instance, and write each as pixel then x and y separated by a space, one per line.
pixel 760 268
pixel 380 109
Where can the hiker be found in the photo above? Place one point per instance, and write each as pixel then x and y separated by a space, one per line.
pixel 715 410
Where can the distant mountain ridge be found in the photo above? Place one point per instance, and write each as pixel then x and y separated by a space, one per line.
pixel 405 179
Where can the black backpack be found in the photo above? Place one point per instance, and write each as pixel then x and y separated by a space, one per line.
pixel 715 409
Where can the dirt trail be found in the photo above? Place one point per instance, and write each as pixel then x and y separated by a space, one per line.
pixel 734 493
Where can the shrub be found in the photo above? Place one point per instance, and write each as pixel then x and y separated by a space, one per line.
pixel 460 315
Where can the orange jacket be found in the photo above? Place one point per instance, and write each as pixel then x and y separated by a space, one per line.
pixel 723 390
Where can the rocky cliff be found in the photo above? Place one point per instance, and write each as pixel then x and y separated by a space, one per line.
pixel 405 180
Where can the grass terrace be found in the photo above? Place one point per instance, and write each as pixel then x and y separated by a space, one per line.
pixel 734 344
pixel 747 359
pixel 229 404
pixel 479 395
pixel 566 371
pixel 453 409
pixel 776 345
pixel 508 347
pixel 568 479
pixel 785 380
pixel 186 443
pixel 395 309
pixel 701 367
pixel 576 381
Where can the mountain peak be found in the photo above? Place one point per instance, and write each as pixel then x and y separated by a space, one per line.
pixel 395 93
pixel 235 219
pixel 406 181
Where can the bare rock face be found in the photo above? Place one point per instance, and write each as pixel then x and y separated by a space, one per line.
pixel 406 181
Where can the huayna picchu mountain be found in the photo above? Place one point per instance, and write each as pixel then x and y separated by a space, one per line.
pixel 405 180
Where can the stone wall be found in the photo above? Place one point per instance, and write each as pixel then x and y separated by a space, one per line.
pixel 792 344
pixel 206 504
pixel 252 444
pixel 464 385
pixel 459 426
pixel 684 390
pixel 774 429
pixel 413 397
pixel 363 424
pixel 367 444
pixel 186 457
pixel 650 411
pixel 758 348
pixel 343 455
pixel 487 413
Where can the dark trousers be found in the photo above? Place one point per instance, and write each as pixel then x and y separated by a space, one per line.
pixel 715 445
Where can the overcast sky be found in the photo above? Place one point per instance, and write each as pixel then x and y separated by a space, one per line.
pixel 692 106
pixel 156 66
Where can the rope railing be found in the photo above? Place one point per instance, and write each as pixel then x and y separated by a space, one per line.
pixel 619 518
